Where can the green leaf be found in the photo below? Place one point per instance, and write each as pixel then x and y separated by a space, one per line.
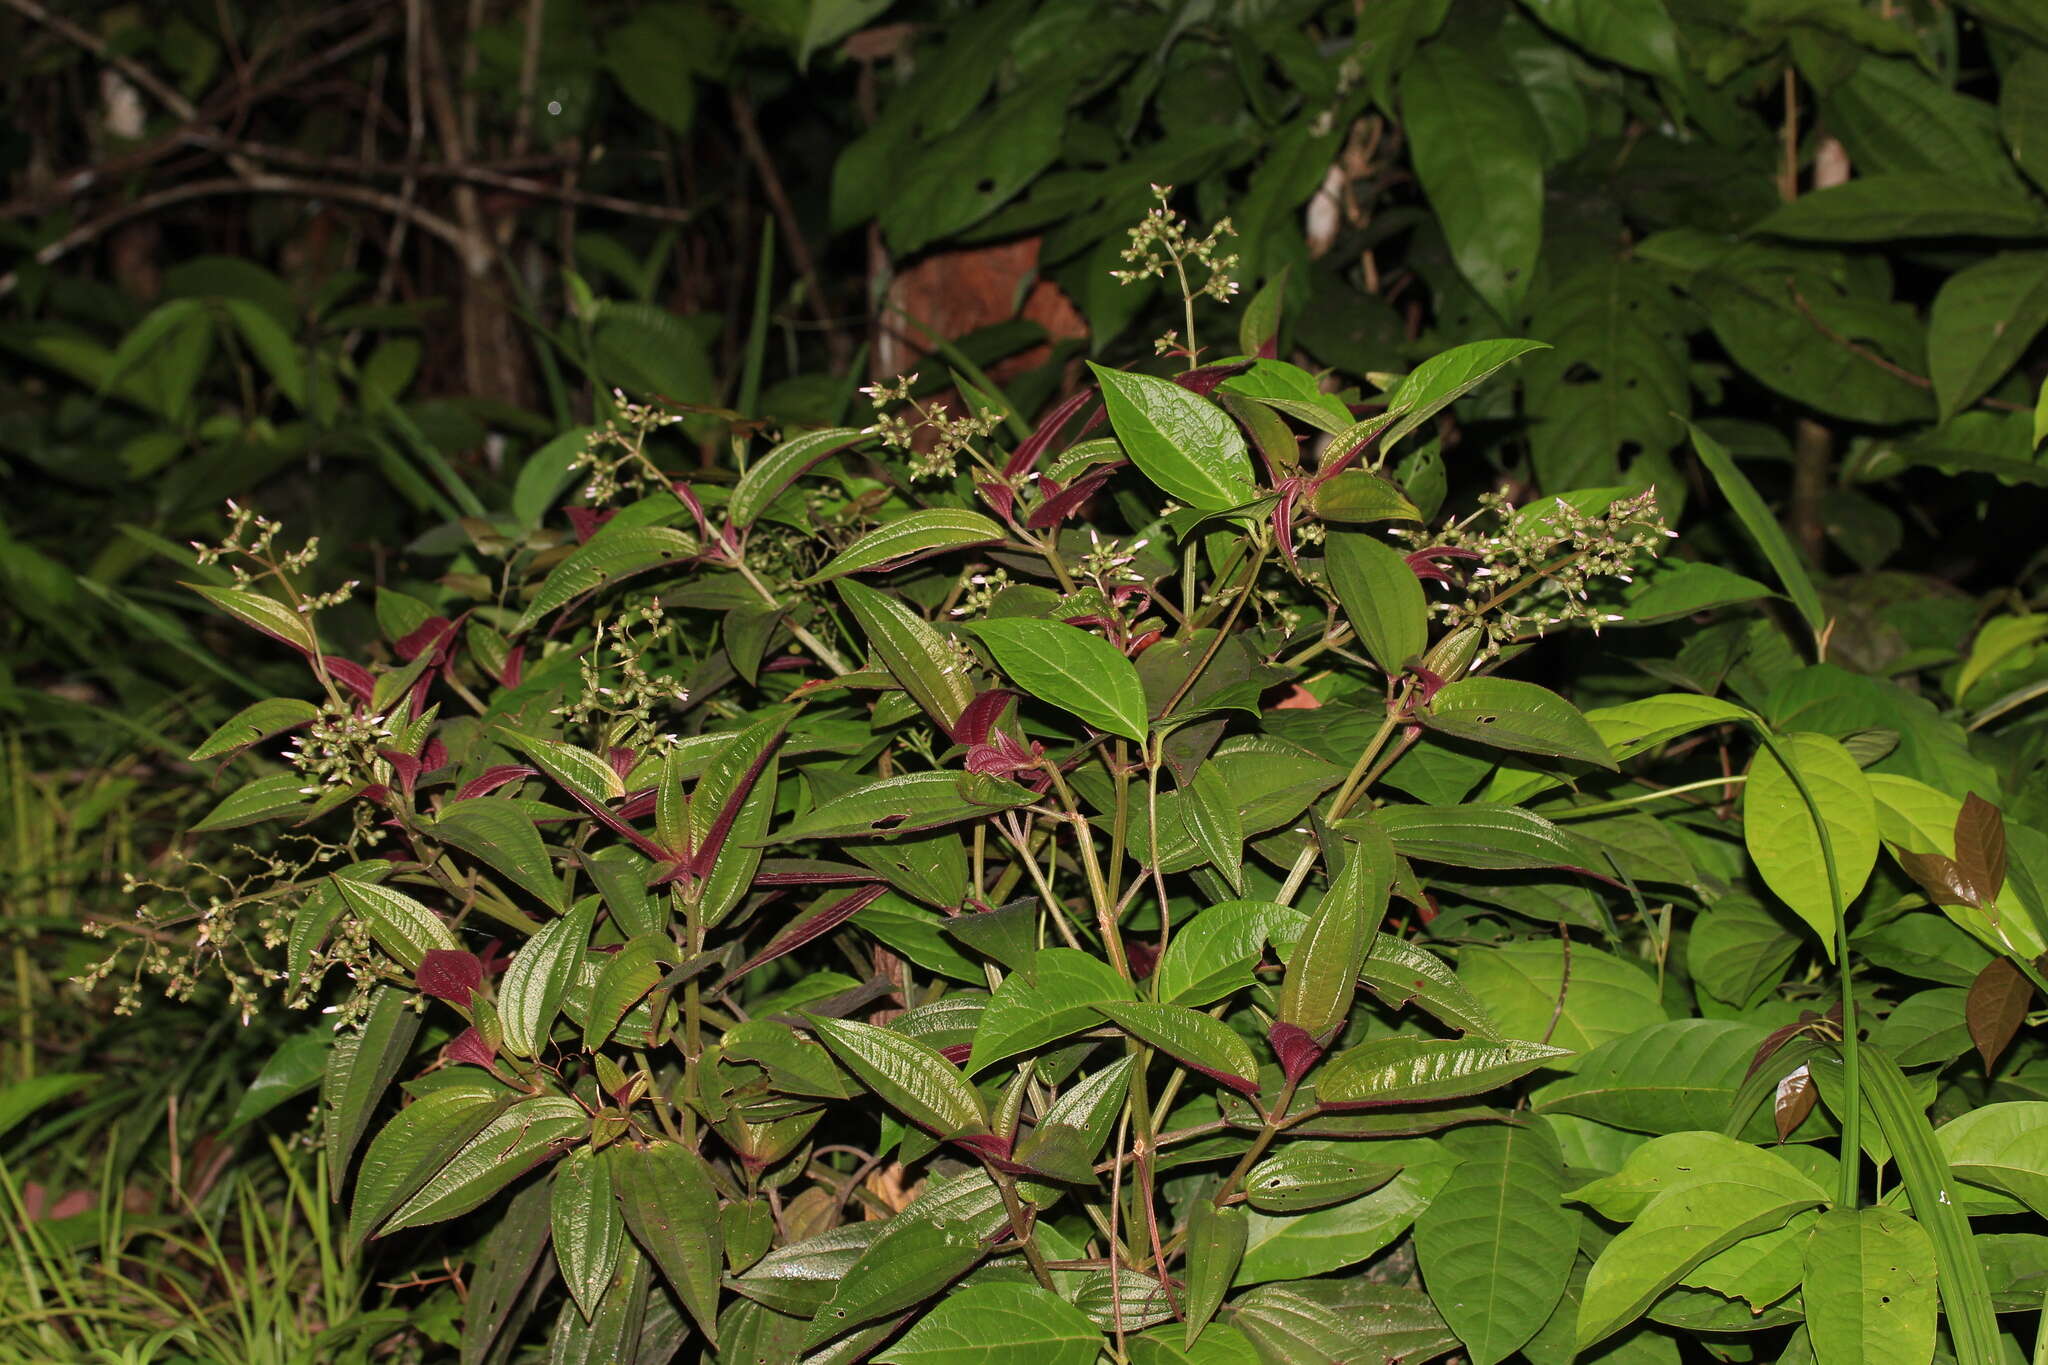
pixel 2023 113
pixel 912 1260
pixel 580 772
pixel 1666 1078
pixel 1211 816
pixel 1479 835
pixel 1737 951
pixel 293 1069
pixel 963 177
pixel 1405 1070
pixel 1322 971
pixel 1401 973
pixel 1292 390
pixel 1982 322
pixel 1507 714
pixel 911 1076
pixel 401 925
pixel 508 1145
pixel 1684 1226
pixel 263 613
pixel 1215 952
pixel 1779 829
pixel 1070 668
pixel 615 552
pixel 1356 495
pixel 912 651
pixel 1190 1038
pixel 2002 1147
pixel 588 1226
pixel 767 477
pixel 1309 1175
pixel 1869 1291
pixel 1495 1245
pixel 539 975
pixel 1293 1246
pixel 1346 1322
pixel 1182 442
pixel 920 533
pixel 501 833
pixel 988 1324
pixel 359 1068
pixel 253 802
pixel 1058 997
pixel 1444 378
pixel 418 1142
pixel 614 1332
pixel 626 978
pixel 896 805
pixel 1576 995
pixel 1381 597
pixel 1618 375
pixel 1635 33
pixel 1215 1248
pixel 1478 152
pixel 1763 529
pixel 1882 208
pixel 671 1206
pixel 546 473
pixel 254 723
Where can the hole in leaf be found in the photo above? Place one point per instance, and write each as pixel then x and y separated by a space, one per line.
pixel 985 185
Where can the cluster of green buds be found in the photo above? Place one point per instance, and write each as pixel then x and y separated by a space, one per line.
pixel 1543 566
pixel 621 694
pixel 615 453
pixel 1163 241
pixel 943 436
pixel 248 553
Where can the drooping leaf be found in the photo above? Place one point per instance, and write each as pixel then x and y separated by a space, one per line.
pixel 359 1068
pixel 1215 1247
pixel 911 650
pixel 254 723
pixel 912 536
pixel 401 925
pixel 496 830
pixel 504 1150
pixel 1783 837
pixel 911 1076
pixel 913 1259
pixel 666 1194
pixel 588 1226
pixel 1381 597
pixel 414 1146
pixel 1191 1038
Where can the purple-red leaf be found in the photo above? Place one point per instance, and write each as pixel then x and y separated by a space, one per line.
pixel 493 778
pixel 1996 1007
pixel 1033 447
pixel 450 974
pixel 1980 847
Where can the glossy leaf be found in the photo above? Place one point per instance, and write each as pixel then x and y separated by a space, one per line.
pixel 1310 1175
pixel 1215 1248
pixel 1214 953
pixel 766 478
pixel 1070 668
pixel 912 1077
pixel 1781 834
pixel 1059 997
pixel 1479 835
pixel 578 771
pixel 985 1323
pixel 587 1224
pixel 1577 996
pixel 911 650
pixel 1508 714
pixel 1405 1070
pixel 615 552
pixel 1354 496
pixel 1381 597
pixel 1322 971
pixel 625 978
pixel 359 1068
pixel 401 925
pixel 1344 1322
pixel 265 798
pixel 1444 378
pixel 539 975
pixel 496 830
pixel 914 535
pixel 671 1207
pixel 1997 1005
pixel 909 1262
pixel 507 1147
pixel 254 723
pixel 1869 1291
pixel 1190 1038
pixel 1663 1079
pixel 914 801
pixel 1183 443
pixel 1496 1245
pixel 416 1144
pixel 259 611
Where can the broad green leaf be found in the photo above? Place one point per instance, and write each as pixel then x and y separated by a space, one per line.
pixel 1182 442
pixel 262 612
pixel 1998 640
pixel 615 552
pixel 497 1309
pixel 508 1145
pixel 915 653
pixel 1635 33
pixel 2023 113
pixel 1684 1226
pixel 1211 816
pixel 1763 528
pixel 1220 1344
pixel 914 801
pixel 1292 390
pixel 1309 1175
pixel 2002 1147
pixel 580 772
pixel 912 536
pixel 1737 951
pixel 1869 1291
pixel 1477 835
pixel 1781 834
pixel 1495 1245
pixel 911 1076
pixel 253 723
pixel 419 1141
pixel 1322 970
pixel 614 1331
pixel 625 979
pixel 1294 1246
pixel 767 477
pixel 1628 729
pixel 1057 998
pixel 1882 208
pixel 1660 1165
pixel 1341 1322
pixel 911 1260
pixel 587 1224
pixel 359 1068
pixel 1507 714
pixel 1215 952
pixel 1401 973
pixel 1663 1079
pixel 547 473
pixel 253 802
pixel 1381 597
pixel 539 975
pixel 1405 1070
pixel 1191 1038
pixel 1618 375
pixel 1982 321
pixel 797 1279
pixel 497 830
pixel 671 1206
pixel 401 925
pixel 986 1324
pixel 1215 1247
pixel 1443 379
pixel 1576 995
pixel 1073 669
pixel 1478 151
pixel 293 1069
pixel 1090 1107
pixel 1355 495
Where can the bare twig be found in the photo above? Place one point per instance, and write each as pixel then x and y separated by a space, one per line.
pixel 91 42
pixel 1897 371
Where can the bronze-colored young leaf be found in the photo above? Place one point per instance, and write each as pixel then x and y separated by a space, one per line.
pixel 1996 1008
pixel 1980 848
